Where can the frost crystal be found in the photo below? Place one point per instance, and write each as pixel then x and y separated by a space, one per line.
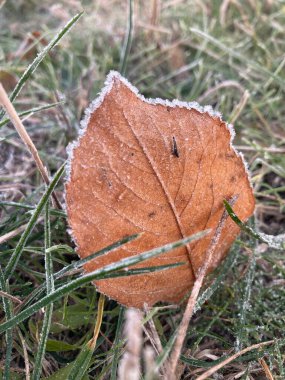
pixel 110 79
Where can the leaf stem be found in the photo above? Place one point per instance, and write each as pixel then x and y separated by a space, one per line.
pixel 182 329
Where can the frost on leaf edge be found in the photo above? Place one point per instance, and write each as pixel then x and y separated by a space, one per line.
pixel 110 79
pixel 96 103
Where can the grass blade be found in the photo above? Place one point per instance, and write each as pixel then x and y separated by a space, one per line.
pixel 116 344
pixel 145 270
pixel 33 66
pixel 24 237
pixel 213 321
pixel 53 211
pixel 245 305
pixel 127 41
pixel 37 292
pixel 164 355
pixel 82 362
pixel 80 263
pixel 22 131
pixel 7 306
pixel 279 359
pixel 31 112
pixel 276 242
pixel 261 69
pixel 101 273
pixel 49 308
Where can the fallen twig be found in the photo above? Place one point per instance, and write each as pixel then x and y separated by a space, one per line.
pixel 12 298
pixel 231 358
pixel 6 103
pixel 11 234
pixel 182 329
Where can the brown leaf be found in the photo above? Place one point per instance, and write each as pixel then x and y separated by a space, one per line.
pixel 158 167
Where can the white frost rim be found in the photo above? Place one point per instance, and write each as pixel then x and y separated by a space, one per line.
pixel 109 82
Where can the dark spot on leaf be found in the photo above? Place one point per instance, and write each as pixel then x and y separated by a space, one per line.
pixel 174 148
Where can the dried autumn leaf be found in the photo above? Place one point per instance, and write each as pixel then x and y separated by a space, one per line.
pixel 158 167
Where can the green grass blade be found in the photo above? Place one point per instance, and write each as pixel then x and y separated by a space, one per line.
pixel 7 306
pixel 82 361
pixel 244 306
pixel 80 263
pixel 81 364
pixel 33 66
pixel 60 248
pixel 43 341
pixel 101 273
pixel 213 321
pixel 138 271
pixel 164 355
pixel 16 204
pixel 49 309
pixel 275 242
pixel 279 359
pixel 145 270
pixel 37 292
pixel 62 373
pixel 24 237
pixel 54 212
pixel 233 53
pixel 127 41
pixel 31 112
pixel 129 261
pixel 116 344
